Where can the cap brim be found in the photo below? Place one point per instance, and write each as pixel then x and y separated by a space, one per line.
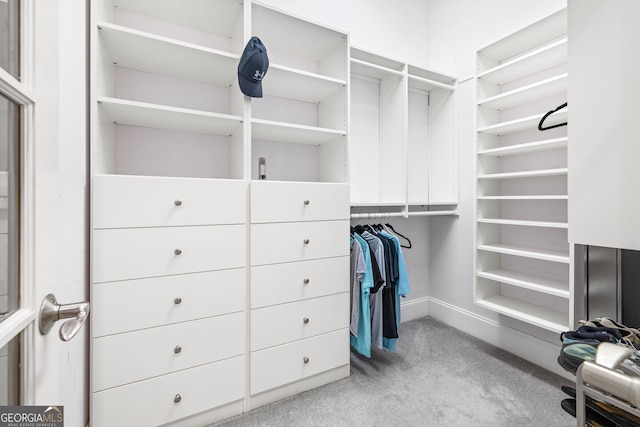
pixel 250 87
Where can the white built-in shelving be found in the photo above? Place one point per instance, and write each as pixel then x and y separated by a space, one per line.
pixel 174 162
pixel 403 139
pixel 522 257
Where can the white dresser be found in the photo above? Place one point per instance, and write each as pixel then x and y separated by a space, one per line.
pixel 299 292
pixel 169 298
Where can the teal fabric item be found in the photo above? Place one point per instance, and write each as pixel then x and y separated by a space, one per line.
pixel 362 344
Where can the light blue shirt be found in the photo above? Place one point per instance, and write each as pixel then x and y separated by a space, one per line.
pixel 362 344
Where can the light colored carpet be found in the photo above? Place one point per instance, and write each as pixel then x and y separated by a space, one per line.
pixel 438 377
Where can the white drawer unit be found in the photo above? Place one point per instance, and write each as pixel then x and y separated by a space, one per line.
pixel 280 324
pixel 170 397
pixel 136 201
pixel 166 300
pixel 139 355
pixel 298 241
pixel 121 254
pixel 291 362
pixel 298 280
pixel 298 201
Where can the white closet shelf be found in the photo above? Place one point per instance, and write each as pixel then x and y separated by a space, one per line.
pixel 291 83
pixel 210 15
pixel 524 223
pixel 297 134
pixel 534 92
pixel 522 251
pixel 525 123
pixel 525 174
pixel 373 70
pixel 532 62
pixel 293 37
pixel 543 317
pixel 536 283
pixel 527 197
pixel 540 32
pixel 143 114
pixel 529 147
pixel 138 50
pixel 416 82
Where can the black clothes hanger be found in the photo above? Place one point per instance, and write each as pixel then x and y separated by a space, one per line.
pixel 547 115
pixel 395 232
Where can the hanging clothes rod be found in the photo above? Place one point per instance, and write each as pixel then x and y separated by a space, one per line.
pixel 376 67
pixel 403 214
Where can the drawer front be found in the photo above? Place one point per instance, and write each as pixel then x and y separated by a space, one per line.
pixel 298 241
pixel 134 253
pixel 134 356
pixel 152 402
pixel 284 364
pixel 298 201
pixel 119 306
pixel 139 201
pixel 284 323
pixel 280 283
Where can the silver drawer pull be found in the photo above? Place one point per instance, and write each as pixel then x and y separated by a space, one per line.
pixel 177 301
pixel 177 251
pixel 305 320
pixel 177 349
pixel 178 202
pixel 306 241
pixel 305 281
pixel 177 398
pixel 306 202
pixel 305 360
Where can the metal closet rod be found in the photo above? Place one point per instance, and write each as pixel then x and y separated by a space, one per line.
pixel 403 214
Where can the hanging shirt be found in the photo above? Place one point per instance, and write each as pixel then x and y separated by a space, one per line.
pixel 402 288
pixel 376 299
pixel 358 268
pixel 362 343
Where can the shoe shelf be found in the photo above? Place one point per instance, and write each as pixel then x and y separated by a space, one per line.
pixel 522 255
pixel 527 147
pixel 530 93
pixel 553 320
pixel 537 60
pixel 522 251
pixel 524 123
pixel 537 283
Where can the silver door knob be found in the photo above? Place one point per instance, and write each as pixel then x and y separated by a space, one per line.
pixel 177 301
pixel 177 251
pixel 177 349
pixel 306 241
pixel 51 312
pixel 177 398
pixel 178 202
pixel 305 360
pixel 306 202
pixel 305 320
pixel 305 281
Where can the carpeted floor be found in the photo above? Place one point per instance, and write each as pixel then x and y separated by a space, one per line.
pixel 438 377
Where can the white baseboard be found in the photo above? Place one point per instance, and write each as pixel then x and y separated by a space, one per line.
pixel 535 350
pixel 414 309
